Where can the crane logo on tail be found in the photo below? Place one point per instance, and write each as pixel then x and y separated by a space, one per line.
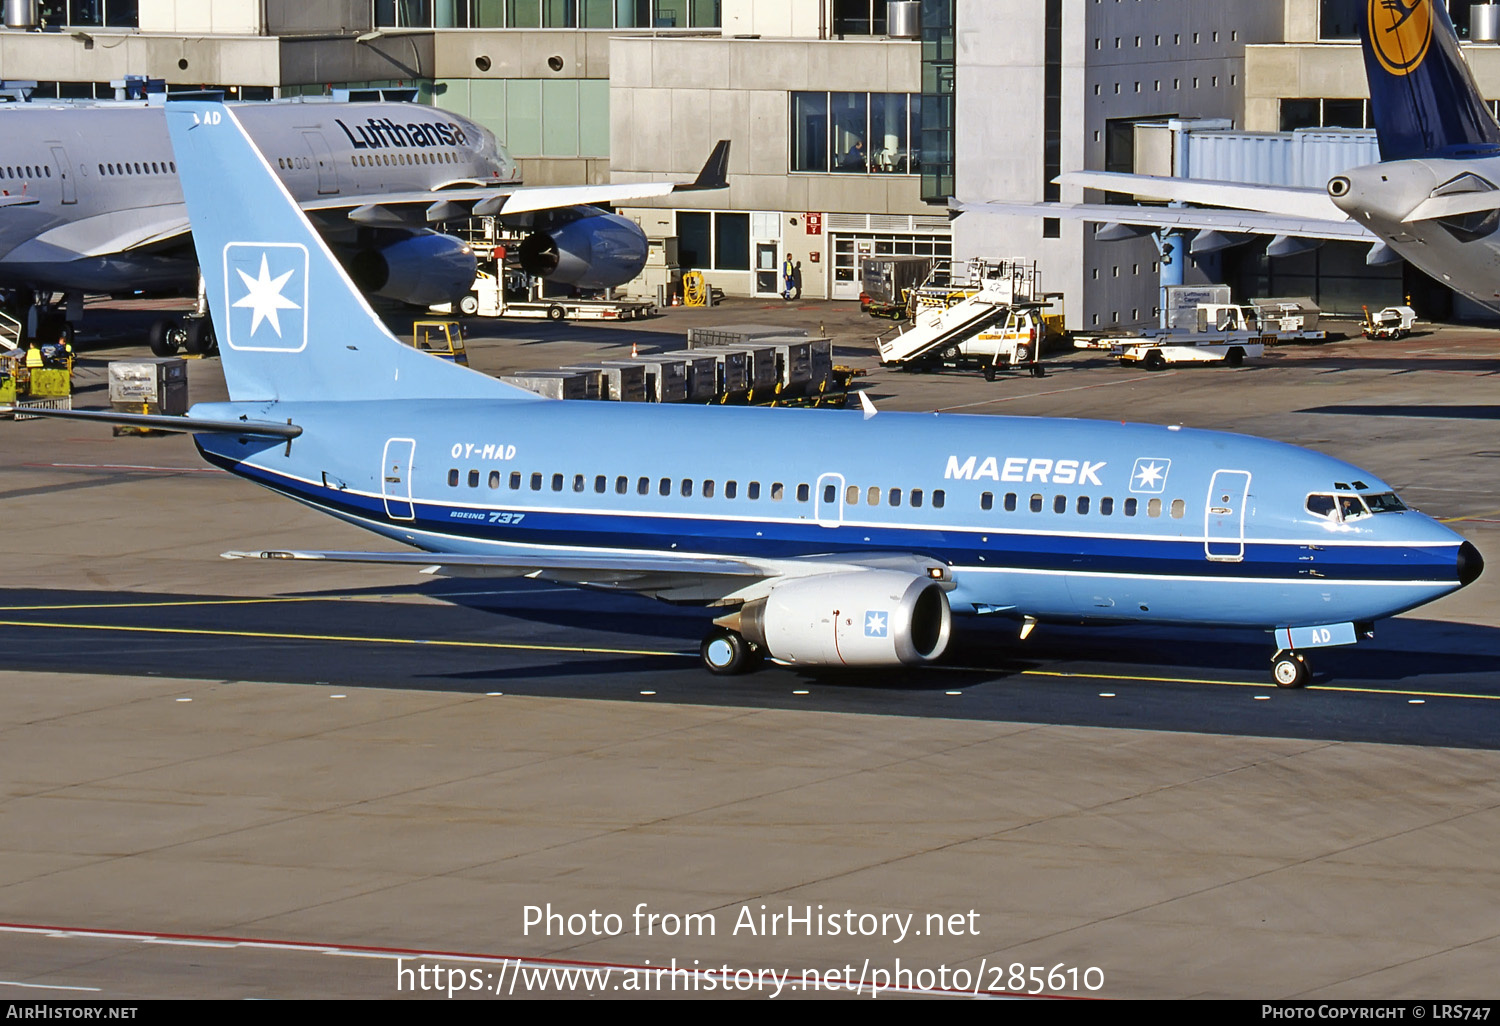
pixel 1400 33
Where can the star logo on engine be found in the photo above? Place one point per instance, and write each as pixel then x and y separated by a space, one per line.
pixel 1150 475
pixel 265 285
pixel 876 625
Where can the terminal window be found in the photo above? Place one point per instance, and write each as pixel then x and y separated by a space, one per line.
pixel 856 133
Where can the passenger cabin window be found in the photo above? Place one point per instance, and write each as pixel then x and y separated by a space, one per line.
pixel 494 479
pixel 515 481
pixel 536 482
pixel 1178 509
pixel 643 486
pixel 1153 508
pixel 916 497
pixel 1131 505
pixel 578 482
pixel 1059 504
pixel 665 487
pixel 752 490
pixel 1010 502
pixel 473 479
pixel 939 497
pixel 830 493
pixel 803 492
pixel 894 498
pixel 731 489
pixel 987 501
pixel 1106 507
pixel 453 478
pixel 600 484
pixel 1036 504
pixel 1083 505
pixel 708 489
pixel 557 482
pixel 778 492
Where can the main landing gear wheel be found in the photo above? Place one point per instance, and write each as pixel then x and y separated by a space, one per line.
pixel 201 338
pixel 166 336
pixel 1290 670
pixel 727 653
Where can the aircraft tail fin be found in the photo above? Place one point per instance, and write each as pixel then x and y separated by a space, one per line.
pixel 1422 92
pixel 290 322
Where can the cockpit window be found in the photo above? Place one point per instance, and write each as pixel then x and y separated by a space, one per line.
pixel 1321 505
pixel 1351 506
pixel 1383 502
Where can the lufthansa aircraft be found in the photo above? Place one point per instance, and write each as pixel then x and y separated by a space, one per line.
pixel 857 551
pixel 90 202
pixel 1434 199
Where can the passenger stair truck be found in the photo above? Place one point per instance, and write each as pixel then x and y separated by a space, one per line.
pixel 945 329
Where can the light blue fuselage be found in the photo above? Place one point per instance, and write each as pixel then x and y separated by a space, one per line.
pixel 460 476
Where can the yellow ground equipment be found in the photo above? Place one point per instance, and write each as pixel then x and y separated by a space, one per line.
pixel 694 289
pixel 443 339
pixel 49 385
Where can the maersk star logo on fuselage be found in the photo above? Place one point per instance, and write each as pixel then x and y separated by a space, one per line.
pixel 267 283
pixel 1150 475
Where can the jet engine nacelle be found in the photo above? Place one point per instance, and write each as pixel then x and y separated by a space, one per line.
pixel 863 618
pixel 421 269
pixel 595 252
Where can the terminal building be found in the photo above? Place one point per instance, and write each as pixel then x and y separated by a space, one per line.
pixel 853 121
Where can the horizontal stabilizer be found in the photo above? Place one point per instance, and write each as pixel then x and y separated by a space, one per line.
pixel 163 422
pixel 1454 205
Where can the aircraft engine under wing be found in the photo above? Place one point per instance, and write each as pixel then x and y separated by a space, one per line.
pixel 421 268
pixel 593 251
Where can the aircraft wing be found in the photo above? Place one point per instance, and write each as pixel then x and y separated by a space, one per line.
pixel 1271 199
pixel 503 200
pixel 688 578
pixel 1247 222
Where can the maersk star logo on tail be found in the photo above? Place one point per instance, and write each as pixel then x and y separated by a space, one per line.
pixel 267 286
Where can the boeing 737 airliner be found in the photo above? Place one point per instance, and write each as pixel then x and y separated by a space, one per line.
pixel 825 538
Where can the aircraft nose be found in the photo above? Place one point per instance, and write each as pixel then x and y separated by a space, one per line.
pixel 1470 564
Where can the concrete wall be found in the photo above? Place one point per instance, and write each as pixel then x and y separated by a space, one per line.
pixel 53 57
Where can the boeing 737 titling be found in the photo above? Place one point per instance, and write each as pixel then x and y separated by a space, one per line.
pixel 860 551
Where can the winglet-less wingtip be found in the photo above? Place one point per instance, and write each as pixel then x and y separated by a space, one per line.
pixel 866 405
pixel 715 173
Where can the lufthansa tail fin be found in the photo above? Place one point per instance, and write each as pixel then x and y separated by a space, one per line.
pixel 1422 93
pixel 291 324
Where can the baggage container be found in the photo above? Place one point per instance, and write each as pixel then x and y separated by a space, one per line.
pixel 702 385
pixel 154 385
pixel 557 384
pixel 622 381
pixel 666 378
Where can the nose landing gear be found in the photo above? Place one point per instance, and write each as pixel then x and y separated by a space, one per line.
pixel 1289 669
